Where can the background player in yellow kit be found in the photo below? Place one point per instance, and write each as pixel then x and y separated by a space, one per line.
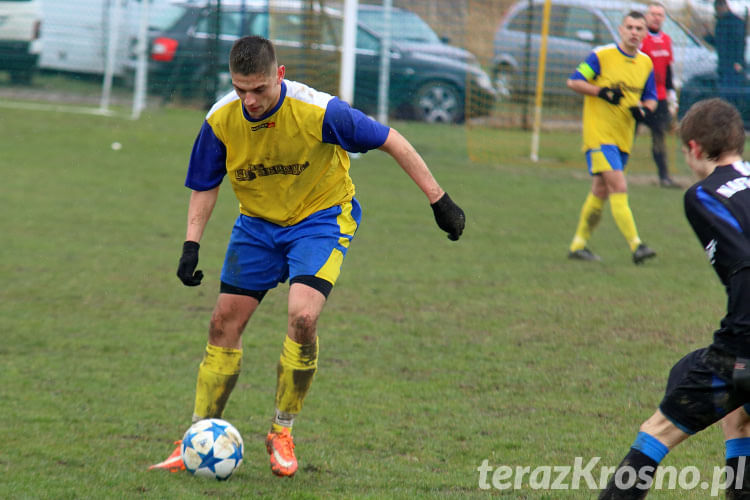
pixel 617 82
pixel 283 146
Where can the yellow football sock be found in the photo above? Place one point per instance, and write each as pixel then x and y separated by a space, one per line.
pixel 591 214
pixel 217 374
pixel 295 370
pixel 624 219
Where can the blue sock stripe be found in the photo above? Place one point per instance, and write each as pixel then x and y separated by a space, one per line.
pixel 739 447
pixel 650 446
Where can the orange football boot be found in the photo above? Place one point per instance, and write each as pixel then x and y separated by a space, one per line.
pixel 280 446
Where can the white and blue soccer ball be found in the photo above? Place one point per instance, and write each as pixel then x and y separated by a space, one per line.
pixel 212 448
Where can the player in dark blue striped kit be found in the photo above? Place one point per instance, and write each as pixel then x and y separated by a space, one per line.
pixel 713 383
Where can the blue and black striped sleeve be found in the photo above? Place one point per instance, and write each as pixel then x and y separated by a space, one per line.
pixel 728 249
pixel 352 129
pixel 207 166
pixel 718 230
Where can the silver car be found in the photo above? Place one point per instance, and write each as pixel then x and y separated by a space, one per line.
pixel 576 27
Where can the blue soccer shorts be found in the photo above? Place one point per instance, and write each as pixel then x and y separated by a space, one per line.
pixel 605 158
pixel 262 254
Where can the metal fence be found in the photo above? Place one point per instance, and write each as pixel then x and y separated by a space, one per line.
pixel 432 76
pixel 470 60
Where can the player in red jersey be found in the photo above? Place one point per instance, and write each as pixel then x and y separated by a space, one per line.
pixel 658 46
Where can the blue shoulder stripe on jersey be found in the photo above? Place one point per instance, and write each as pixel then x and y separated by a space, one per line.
pixel 352 129
pixel 715 207
pixel 649 90
pixel 207 165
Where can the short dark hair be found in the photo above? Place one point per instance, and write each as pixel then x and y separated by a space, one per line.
pixel 635 14
pixel 716 126
pixel 252 55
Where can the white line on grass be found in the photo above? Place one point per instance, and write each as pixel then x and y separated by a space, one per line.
pixel 60 108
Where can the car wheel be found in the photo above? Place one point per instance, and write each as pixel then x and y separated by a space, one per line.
pixel 437 101
pixel 502 80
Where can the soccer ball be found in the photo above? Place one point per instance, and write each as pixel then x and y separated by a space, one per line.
pixel 212 448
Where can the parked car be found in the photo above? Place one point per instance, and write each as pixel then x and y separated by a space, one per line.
pixel 697 15
pixel 20 24
pixel 438 93
pixel 576 27
pixel 77 34
pixel 429 80
pixel 705 86
pixel 405 25
pixel 161 16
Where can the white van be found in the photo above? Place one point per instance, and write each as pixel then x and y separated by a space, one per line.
pixel 20 46
pixel 77 33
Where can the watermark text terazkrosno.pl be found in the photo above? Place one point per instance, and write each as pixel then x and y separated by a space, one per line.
pixel 593 476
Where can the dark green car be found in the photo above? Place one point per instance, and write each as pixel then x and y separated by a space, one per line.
pixel 429 80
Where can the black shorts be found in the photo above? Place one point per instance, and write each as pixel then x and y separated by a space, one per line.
pixel 662 118
pixel 700 391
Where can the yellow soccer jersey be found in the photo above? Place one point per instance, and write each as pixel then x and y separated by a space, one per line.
pixel 605 123
pixel 289 164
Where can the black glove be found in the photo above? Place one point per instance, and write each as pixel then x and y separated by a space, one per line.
pixel 612 96
pixel 449 217
pixel 642 114
pixel 188 263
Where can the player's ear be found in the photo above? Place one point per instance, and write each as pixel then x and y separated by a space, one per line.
pixel 695 149
pixel 280 72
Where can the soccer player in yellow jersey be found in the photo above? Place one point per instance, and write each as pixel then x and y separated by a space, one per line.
pixel 283 146
pixel 617 81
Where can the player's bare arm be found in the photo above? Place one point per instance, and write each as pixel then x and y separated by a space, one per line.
pixel 199 211
pixel 449 216
pixel 611 95
pixel 584 87
pixel 412 163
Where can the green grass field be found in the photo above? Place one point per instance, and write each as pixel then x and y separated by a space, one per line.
pixel 434 357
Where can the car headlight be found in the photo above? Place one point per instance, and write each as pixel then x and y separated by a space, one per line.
pixel 483 81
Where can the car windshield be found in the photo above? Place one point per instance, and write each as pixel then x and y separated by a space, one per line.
pixel 161 19
pixel 680 37
pixel 405 26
